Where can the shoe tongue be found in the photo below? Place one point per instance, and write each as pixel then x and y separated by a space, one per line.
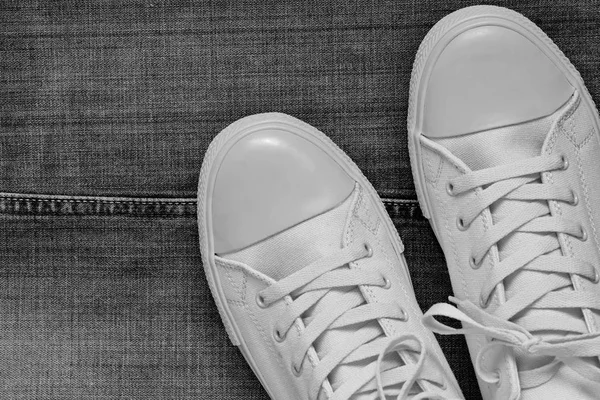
pixel 499 147
pixel 293 249
pixel 289 251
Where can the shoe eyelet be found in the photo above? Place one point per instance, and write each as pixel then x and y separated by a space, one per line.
pixel 450 189
pixel 296 371
pixel 596 276
pixel 499 381
pixel 460 224
pixel 574 199
pixel 565 162
pixel 473 263
pixel 279 337
pixel 260 300
pixel 386 282
pixel 583 235
pixel 404 316
pixel 369 250
pixel 483 302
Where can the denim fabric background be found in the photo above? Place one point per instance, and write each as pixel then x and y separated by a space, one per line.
pixel 106 109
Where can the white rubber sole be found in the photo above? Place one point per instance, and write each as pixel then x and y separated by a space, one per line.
pixel 438 38
pixel 210 166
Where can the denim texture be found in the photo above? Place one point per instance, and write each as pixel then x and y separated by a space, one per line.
pixel 106 110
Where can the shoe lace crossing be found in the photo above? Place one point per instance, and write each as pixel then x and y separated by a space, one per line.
pixel 507 325
pixel 310 285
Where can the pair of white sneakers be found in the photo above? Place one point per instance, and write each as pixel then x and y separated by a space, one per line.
pixel 308 271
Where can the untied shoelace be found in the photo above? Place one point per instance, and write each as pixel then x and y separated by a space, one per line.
pixel 520 181
pixel 310 285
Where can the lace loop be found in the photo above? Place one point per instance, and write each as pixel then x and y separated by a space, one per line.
pixel 507 334
pixel 397 344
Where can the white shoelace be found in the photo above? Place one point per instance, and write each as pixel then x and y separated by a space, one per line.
pixel 309 286
pixel 520 181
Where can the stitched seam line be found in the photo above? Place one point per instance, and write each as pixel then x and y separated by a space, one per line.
pixel 33 205
pixel 47 205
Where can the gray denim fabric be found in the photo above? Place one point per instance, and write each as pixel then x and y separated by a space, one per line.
pixel 106 109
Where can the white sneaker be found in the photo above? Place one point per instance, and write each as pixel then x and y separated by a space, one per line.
pixel 307 269
pixel 505 146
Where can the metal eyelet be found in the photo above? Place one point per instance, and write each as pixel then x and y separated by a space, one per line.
pixel 499 382
pixel 574 199
pixel 369 250
pixel 483 302
pixel 450 188
pixel 404 317
pixel 444 386
pixel 296 371
pixel 596 276
pixel 260 300
pixel 473 263
pixel 565 162
pixel 279 337
pixel 583 235
pixel 386 282
pixel 460 224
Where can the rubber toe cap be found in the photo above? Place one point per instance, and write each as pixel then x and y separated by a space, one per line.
pixel 489 77
pixel 271 180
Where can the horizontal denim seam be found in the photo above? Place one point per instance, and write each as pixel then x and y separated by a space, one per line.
pixel 59 205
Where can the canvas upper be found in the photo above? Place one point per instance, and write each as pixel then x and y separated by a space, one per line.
pixel 505 151
pixel 324 307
